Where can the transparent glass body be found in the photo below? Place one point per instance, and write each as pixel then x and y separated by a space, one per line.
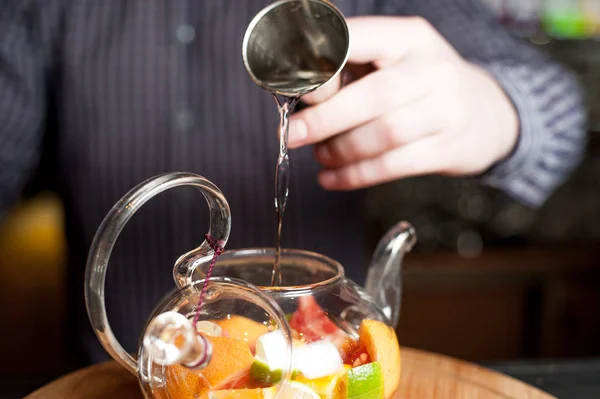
pixel 318 335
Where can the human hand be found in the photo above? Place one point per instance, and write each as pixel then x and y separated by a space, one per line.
pixel 423 110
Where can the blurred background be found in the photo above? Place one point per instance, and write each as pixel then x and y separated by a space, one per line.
pixel 530 279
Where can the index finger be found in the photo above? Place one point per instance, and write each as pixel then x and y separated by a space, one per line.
pixel 350 73
pixel 384 40
pixel 377 42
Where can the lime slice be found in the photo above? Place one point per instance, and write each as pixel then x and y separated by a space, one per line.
pixel 297 390
pixel 365 382
pixel 260 371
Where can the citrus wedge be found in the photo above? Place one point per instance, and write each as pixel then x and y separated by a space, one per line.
pixel 260 371
pixel 297 390
pixel 243 328
pixel 382 346
pixel 231 358
pixel 366 382
pixel 330 387
pixel 256 393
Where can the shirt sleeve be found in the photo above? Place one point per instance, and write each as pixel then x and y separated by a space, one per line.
pixel 22 98
pixel 547 96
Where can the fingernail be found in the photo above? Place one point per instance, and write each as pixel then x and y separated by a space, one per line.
pixel 298 132
pixel 327 178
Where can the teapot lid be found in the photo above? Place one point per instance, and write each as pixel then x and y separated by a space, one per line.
pixel 213 336
pixel 210 335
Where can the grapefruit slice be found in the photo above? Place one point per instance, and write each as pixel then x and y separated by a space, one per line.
pixel 312 322
pixel 382 346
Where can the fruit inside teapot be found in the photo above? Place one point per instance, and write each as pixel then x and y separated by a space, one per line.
pixel 341 343
pixel 249 359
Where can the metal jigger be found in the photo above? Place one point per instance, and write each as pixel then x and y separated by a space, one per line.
pixel 293 47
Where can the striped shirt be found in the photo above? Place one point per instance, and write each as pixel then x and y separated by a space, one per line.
pixel 116 91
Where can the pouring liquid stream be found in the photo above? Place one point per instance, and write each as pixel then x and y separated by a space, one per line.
pixel 285 107
pixel 300 82
pixel 287 86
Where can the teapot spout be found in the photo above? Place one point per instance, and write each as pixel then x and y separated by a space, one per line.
pixel 384 279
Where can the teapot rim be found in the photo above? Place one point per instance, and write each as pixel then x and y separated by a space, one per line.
pixel 335 266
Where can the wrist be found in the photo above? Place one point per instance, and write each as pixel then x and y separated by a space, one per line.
pixel 509 173
pixel 499 114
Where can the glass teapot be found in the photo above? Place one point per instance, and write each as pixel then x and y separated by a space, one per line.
pixel 232 335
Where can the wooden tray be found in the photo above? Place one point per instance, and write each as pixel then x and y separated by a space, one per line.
pixel 425 375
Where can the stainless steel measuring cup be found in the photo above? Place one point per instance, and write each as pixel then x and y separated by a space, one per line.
pixel 293 47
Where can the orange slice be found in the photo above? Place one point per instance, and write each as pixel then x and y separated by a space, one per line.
pixel 181 382
pixel 243 328
pixel 231 358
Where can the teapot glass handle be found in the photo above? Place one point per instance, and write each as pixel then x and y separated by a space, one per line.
pixel 108 233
